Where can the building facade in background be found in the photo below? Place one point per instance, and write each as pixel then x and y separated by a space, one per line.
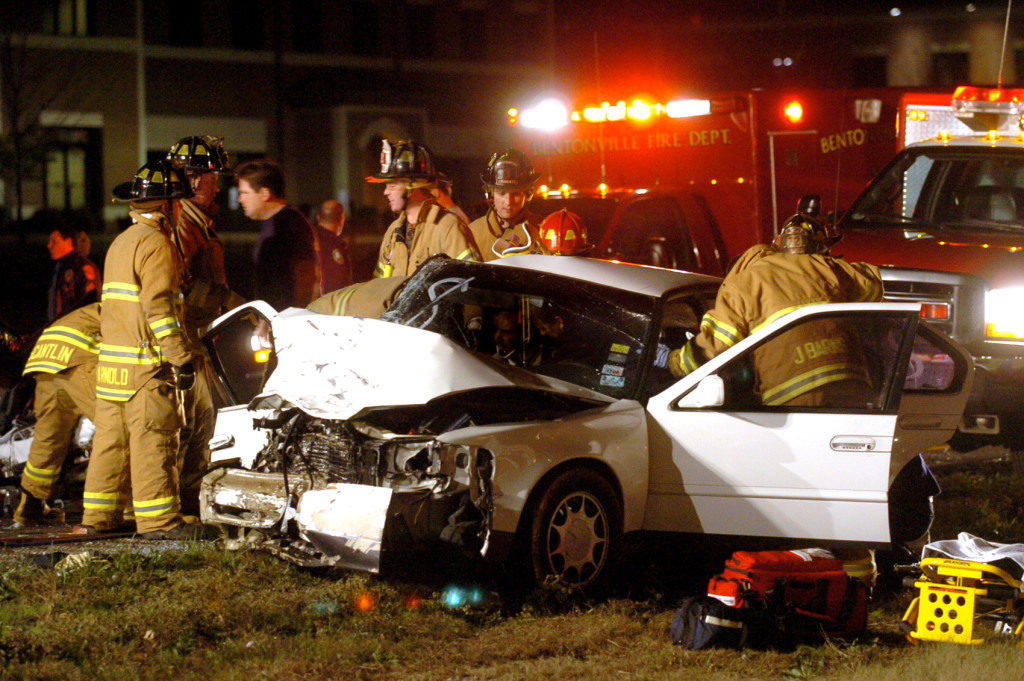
pixel 91 89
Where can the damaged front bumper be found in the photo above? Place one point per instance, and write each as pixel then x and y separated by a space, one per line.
pixel 315 523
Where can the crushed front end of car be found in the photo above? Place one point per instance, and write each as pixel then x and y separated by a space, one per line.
pixel 343 458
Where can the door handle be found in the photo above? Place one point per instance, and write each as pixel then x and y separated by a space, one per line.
pixel 850 443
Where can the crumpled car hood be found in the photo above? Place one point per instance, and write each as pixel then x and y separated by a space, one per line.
pixel 339 367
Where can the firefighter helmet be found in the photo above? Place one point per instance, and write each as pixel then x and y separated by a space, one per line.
pixel 200 154
pixel 564 233
pixel 156 181
pixel 510 169
pixel 805 232
pixel 407 160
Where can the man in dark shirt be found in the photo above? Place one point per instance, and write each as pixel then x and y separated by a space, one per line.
pixel 76 279
pixel 335 263
pixel 287 269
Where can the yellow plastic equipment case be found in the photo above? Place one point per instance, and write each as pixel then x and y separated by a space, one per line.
pixel 958 598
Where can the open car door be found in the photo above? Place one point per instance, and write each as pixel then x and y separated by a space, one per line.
pixel 736 456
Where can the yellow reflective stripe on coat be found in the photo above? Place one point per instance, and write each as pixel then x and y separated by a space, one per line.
pixel 41 474
pixel 43 367
pixel 114 394
pixel 468 254
pixel 781 313
pixel 155 507
pixel 687 360
pixel 807 381
pixel 726 334
pixel 127 354
pixel 116 290
pixel 103 501
pixel 165 327
pixel 65 334
pixel 342 304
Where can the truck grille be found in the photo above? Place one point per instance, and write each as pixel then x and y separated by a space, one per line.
pixel 964 294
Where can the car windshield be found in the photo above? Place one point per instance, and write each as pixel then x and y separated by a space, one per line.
pixel 938 187
pixel 578 331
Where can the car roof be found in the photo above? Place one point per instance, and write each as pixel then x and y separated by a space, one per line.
pixel 642 279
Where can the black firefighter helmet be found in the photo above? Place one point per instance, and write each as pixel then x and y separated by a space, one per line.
pixel 200 154
pixel 406 160
pixel 511 170
pixel 156 181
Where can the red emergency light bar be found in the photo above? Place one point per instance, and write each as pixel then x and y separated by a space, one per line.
pixel 967 93
pixel 550 115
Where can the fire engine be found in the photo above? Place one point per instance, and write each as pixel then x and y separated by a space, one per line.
pixel 692 183
pixel 951 202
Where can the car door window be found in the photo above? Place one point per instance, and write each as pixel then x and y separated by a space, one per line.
pixel 842 361
pixel 680 321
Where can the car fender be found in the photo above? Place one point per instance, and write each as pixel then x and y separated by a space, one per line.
pixel 615 435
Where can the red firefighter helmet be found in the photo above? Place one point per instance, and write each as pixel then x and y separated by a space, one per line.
pixel 564 233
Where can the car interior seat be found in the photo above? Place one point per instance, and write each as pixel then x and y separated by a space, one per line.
pixel 992 203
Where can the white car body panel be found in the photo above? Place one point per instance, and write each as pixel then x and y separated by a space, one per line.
pixel 615 435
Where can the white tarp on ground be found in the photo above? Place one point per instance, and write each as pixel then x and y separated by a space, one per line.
pixel 335 367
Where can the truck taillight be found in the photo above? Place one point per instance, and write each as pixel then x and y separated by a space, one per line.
pixel 793 111
pixel 934 311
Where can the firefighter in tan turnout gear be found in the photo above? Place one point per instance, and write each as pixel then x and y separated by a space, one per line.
pixel 63 363
pixel 144 363
pixel 423 228
pixel 508 228
pixel 808 364
pixel 203 159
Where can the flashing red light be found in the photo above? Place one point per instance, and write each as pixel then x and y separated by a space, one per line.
pixel 793 111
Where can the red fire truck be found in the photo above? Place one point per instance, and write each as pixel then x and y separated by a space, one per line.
pixel 693 182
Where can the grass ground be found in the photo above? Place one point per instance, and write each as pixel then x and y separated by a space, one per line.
pixel 195 612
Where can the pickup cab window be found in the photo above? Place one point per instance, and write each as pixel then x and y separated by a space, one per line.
pixel 947 187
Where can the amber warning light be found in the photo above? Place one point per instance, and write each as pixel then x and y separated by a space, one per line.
pixel 934 311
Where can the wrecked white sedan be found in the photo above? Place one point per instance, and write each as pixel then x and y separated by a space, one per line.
pixel 357 439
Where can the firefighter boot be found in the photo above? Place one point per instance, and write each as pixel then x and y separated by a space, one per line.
pixel 32 511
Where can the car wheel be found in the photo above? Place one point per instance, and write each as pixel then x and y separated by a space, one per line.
pixel 575 531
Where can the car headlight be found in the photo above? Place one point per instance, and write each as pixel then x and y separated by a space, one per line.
pixel 1004 316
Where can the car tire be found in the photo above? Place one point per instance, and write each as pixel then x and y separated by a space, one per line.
pixel 575 531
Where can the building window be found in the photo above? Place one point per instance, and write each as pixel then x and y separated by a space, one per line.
pixel 950 69
pixel 66 17
pixel 72 173
pixel 185 24
pixel 420 30
pixel 868 71
pixel 366 35
pixel 473 33
pixel 309 27
pixel 247 24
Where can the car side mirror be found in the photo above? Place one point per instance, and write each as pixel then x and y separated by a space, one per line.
pixel 710 392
